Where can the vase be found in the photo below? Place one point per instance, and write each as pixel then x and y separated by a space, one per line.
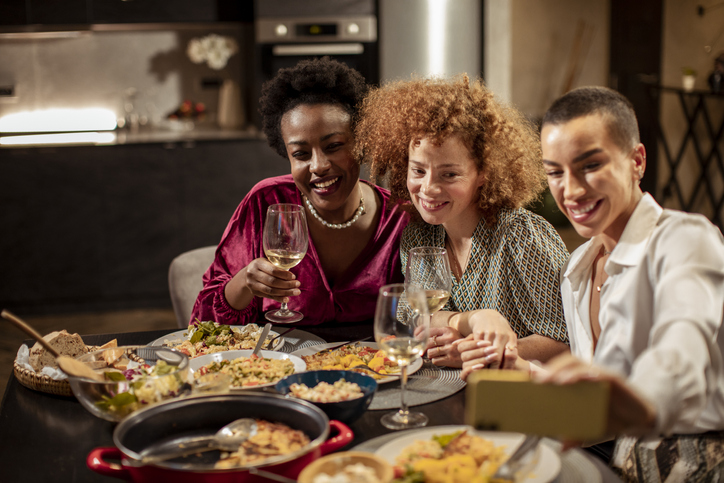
pixel 688 82
pixel 230 109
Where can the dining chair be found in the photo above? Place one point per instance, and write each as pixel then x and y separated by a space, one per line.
pixel 185 280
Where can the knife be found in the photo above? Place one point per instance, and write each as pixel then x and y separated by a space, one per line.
pixel 262 339
pixel 344 344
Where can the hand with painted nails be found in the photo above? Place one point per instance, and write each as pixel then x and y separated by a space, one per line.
pixel 491 326
pixel 441 347
pixel 479 354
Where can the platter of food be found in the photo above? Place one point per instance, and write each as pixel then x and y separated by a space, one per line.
pixel 204 338
pixel 427 452
pixel 347 357
pixel 247 371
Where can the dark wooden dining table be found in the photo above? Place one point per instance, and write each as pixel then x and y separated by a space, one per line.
pixel 46 438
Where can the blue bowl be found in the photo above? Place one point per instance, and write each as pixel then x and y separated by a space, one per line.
pixel 344 411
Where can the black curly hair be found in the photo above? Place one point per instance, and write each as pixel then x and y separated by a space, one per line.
pixel 314 81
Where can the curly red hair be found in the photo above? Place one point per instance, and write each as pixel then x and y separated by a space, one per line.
pixel 503 143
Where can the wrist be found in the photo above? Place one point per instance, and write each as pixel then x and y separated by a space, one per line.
pixel 458 322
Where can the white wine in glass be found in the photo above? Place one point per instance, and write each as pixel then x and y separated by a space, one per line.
pixel 285 243
pixel 402 326
pixel 429 268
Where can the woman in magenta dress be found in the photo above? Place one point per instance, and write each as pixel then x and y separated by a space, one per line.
pixel 308 114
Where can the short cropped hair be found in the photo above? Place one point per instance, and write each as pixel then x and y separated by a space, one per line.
pixel 314 81
pixel 617 112
pixel 503 144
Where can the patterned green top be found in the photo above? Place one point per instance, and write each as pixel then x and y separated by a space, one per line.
pixel 513 268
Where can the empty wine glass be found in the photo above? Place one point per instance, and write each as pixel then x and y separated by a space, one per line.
pixel 429 268
pixel 285 242
pixel 402 326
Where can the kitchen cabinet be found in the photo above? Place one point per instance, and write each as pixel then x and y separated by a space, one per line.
pixel 52 12
pixel 13 12
pixel 44 12
pixel 142 11
pixel 75 12
pixel 96 227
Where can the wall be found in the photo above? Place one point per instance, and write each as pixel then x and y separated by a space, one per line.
pixel 556 45
pixel 691 40
pixel 96 69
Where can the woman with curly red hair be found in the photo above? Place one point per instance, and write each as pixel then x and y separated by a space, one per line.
pixel 469 165
pixel 308 114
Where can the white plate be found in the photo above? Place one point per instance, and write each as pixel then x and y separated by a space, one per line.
pixel 182 335
pixel 198 362
pixel 545 470
pixel 308 351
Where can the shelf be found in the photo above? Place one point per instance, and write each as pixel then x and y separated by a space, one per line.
pixel 700 109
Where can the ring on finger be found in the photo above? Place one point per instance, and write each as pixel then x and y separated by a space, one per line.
pixel 434 340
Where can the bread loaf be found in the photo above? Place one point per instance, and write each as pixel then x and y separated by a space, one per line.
pixel 66 344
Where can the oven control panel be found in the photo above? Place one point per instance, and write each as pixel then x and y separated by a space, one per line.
pixel 316 29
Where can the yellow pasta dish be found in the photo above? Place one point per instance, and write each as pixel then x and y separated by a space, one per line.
pixel 349 356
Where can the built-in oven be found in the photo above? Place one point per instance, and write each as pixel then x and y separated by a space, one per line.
pixel 289 31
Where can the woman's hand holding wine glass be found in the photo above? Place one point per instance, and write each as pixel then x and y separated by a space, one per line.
pixel 401 329
pixel 285 243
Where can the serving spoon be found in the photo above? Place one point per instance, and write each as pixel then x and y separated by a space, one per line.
pixel 229 438
pixel 67 364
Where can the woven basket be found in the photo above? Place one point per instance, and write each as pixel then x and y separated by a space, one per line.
pixel 42 383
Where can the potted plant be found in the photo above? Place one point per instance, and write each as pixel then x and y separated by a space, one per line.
pixel 688 79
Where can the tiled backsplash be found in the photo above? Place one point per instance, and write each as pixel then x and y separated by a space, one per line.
pixel 100 69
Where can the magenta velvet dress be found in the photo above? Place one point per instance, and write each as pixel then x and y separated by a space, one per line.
pixel 351 299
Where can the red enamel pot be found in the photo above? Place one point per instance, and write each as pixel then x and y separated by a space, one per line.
pixel 175 421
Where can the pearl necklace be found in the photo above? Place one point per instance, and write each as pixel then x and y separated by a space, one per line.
pixel 338 226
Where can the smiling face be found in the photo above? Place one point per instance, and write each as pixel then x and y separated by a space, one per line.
pixel 444 183
pixel 594 181
pixel 319 143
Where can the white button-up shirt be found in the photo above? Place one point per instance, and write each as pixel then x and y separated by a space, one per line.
pixel 661 313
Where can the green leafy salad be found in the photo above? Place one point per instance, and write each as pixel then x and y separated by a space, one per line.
pixel 141 386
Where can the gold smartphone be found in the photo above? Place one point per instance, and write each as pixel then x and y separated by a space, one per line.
pixel 510 401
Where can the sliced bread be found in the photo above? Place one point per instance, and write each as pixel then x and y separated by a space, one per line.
pixel 66 344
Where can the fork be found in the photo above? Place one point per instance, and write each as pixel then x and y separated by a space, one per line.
pixel 368 368
pixel 519 460
pixel 270 342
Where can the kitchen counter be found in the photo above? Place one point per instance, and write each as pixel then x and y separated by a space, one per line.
pixel 167 133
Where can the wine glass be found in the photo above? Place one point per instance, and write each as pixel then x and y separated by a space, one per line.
pixel 285 243
pixel 402 326
pixel 429 268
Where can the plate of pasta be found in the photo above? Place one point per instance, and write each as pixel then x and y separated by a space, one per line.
pixel 248 371
pixel 318 357
pixel 202 338
pixel 460 454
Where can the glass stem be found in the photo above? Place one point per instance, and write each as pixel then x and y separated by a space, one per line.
pixel 403 384
pixel 283 308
